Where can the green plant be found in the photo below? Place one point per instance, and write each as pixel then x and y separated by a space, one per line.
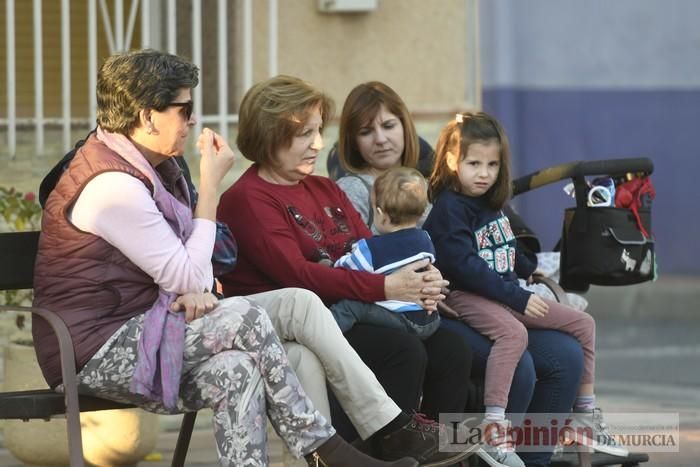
pixel 18 212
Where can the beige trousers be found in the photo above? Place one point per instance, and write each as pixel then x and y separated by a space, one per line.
pixel 299 316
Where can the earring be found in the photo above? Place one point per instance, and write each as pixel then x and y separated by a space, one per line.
pixel 149 129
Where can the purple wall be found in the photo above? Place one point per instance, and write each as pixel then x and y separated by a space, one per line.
pixel 550 127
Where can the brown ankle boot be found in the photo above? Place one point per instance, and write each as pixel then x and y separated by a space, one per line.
pixel 337 453
pixel 426 441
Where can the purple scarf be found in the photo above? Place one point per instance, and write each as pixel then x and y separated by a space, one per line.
pixel 160 351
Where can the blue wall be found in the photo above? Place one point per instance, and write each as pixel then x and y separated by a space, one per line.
pixel 574 80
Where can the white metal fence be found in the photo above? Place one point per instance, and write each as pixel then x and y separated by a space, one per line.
pixel 114 23
pixel 157 20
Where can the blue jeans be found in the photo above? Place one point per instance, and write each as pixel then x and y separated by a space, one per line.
pixel 546 379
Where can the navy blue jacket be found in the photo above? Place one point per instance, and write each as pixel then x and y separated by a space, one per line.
pixel 476 249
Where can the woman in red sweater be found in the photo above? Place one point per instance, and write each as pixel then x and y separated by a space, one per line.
pixel 289 222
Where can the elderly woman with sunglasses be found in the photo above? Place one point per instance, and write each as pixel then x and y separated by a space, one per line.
pixel 287 222
pixel 126 262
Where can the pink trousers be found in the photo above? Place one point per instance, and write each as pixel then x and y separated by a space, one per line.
pixel 508 331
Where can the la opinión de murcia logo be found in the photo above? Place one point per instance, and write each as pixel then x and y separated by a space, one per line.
pixel 533 432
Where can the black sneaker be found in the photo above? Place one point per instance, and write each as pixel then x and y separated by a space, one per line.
pixel 424 440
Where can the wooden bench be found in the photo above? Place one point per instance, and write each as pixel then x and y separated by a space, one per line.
pixel 17 255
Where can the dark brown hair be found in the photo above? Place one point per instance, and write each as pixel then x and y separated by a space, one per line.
pixel 362 106
pixel 456 137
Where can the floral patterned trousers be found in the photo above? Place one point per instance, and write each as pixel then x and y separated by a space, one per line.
pixel 234 364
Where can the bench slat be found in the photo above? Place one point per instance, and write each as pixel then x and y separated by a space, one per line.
pixel 45 403
pixel 17 250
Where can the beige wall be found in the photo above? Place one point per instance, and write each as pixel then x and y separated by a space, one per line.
pixel 417 47
pixel 51 53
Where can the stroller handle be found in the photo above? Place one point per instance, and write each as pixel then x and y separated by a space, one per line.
pixel 611 167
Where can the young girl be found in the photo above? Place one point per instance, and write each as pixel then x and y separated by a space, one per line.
pixel 475 251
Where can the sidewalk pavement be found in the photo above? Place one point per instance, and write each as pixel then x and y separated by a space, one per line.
pixel 202 450
pixel 669 298
pixel 201 453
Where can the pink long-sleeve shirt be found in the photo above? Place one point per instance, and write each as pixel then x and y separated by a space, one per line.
pixel 119 208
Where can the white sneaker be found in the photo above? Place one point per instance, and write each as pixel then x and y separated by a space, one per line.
pixel 497 448
pixel 595 433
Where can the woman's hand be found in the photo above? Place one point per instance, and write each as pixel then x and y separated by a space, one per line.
pixel 217 157
pixel 434 286
pixel 536 307
pixel 409 285
pixel 195 305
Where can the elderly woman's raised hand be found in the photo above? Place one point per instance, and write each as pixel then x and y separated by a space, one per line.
pixel 418 282
pixel 217 157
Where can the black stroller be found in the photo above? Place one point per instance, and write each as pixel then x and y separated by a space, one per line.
pixel 601 245
pixel 606 238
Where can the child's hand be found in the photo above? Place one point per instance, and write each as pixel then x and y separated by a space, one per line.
pixel 536 307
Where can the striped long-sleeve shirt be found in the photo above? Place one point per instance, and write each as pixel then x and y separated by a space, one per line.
pixel 386 253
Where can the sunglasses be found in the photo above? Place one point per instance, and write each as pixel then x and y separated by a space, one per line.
pixel 187 108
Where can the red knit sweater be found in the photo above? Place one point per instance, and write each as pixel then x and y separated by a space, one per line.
pixel 282 231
